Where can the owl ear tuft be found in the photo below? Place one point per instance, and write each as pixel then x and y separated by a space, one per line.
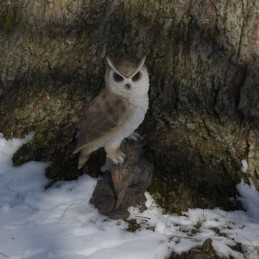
pixel 109 61
pixel 142 61
pixel 111 65
pixel 140 65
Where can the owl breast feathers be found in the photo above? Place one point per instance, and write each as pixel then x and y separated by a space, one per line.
pixel 116 112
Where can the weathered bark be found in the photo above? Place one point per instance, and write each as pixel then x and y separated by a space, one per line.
pixel 203 58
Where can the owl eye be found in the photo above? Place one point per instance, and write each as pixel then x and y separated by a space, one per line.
pixel 117 77
pixel 136 77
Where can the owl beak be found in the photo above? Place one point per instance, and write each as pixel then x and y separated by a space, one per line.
pixel 128 86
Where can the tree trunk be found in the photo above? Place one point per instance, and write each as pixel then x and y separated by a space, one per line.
pixel 203 59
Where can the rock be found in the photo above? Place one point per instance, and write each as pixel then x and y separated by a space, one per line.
pixel 123 185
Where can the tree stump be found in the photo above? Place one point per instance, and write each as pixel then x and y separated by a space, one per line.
pixel 123 185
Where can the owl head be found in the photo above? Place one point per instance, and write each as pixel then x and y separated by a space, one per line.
pixel 127 76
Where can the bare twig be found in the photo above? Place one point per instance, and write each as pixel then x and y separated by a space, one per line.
pixel 142 217
pixel 66 210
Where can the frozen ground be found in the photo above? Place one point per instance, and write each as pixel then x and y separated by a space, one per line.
pixel 60 222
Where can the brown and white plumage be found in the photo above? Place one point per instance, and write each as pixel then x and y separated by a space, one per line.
pixel 116 112
pixel 104 114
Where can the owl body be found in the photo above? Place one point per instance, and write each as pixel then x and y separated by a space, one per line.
pixel 116 112
pixel 135 118
pixel 137 104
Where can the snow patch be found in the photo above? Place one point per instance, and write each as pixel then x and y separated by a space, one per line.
pixel 61 223
pixel 249 198
pixel 244 167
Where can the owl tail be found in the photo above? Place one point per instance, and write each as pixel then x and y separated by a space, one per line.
pixel 83 158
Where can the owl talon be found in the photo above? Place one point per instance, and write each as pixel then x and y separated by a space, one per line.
pixel 116 155
pixel 118 158
pixel 135 136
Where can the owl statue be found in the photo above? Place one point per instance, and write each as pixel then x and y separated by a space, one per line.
pixel 116 112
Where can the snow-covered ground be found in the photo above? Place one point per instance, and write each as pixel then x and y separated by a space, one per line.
pixel 60 222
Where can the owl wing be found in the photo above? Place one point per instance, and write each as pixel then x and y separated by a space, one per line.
pixel 103 115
